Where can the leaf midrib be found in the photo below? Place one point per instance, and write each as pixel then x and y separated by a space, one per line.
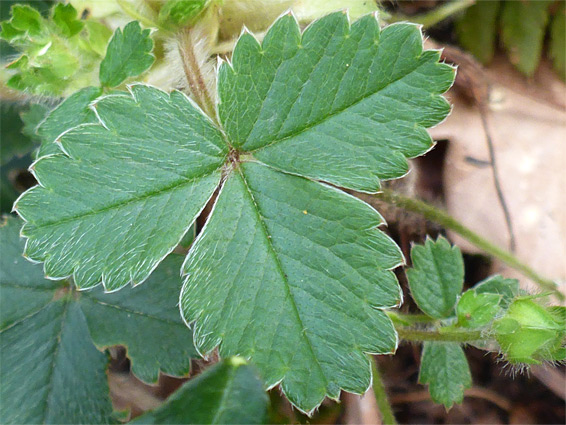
pixel 281 273
pixel 133 200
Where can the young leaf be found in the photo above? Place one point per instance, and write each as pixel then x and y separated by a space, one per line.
pixel 523 27
pixel 228 393
pixel 558 41
pixel 275 242
pixel 446 371
pixel 354 102
pixel 477 29
pixel 70 113
pixel 65 17
pixel 128 55
pixel 437 277
pixel 63 378
pixel 475 310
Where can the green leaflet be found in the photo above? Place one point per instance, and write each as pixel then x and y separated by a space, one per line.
pixel 290 278
pixel 446 371
pixel 523 27
pixel 128 55
pixel 123 173
pixel 437 277
pixel 354 102
pixel 288 272
pixel 63 378
pixel 477 29
pixel 228 393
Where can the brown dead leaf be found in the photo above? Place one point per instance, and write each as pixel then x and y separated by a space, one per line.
pixel 528 133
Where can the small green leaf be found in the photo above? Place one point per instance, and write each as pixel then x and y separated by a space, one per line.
pixel 475 310
pixel 437 277
pixel 26 19
pixel 446 371
pixel 558 41
pixel 523 27
pixel 70 113
pixel 65 17
pixel 477 29
pixel 507 288
pixel 128 55
pixel 530 333
pixel 181 12
pixel 227 393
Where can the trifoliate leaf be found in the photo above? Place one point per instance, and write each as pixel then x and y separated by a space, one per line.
pixel 277 245
pixel 558 40
pixel 445 369
pixel 475 310
pixel 65 17
pixel 128 55
pixel 70 113
pixel 228 393
pixel 64 375
pixel 139 181
pixel 523 27
pixel 437 277
pixel 507 288
pixel 310 268
pixel 354 102
pixel 477 29
pixel 530 333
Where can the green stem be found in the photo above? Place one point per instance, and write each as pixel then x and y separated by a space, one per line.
pixel 387 416
pixel 438 216
pixel 430 19
pixel 402 319
pixel 447 335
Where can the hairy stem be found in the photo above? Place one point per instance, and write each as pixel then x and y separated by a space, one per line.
pixel 387 416
pixel 438 216
pixel 447 335
pixel 194 74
